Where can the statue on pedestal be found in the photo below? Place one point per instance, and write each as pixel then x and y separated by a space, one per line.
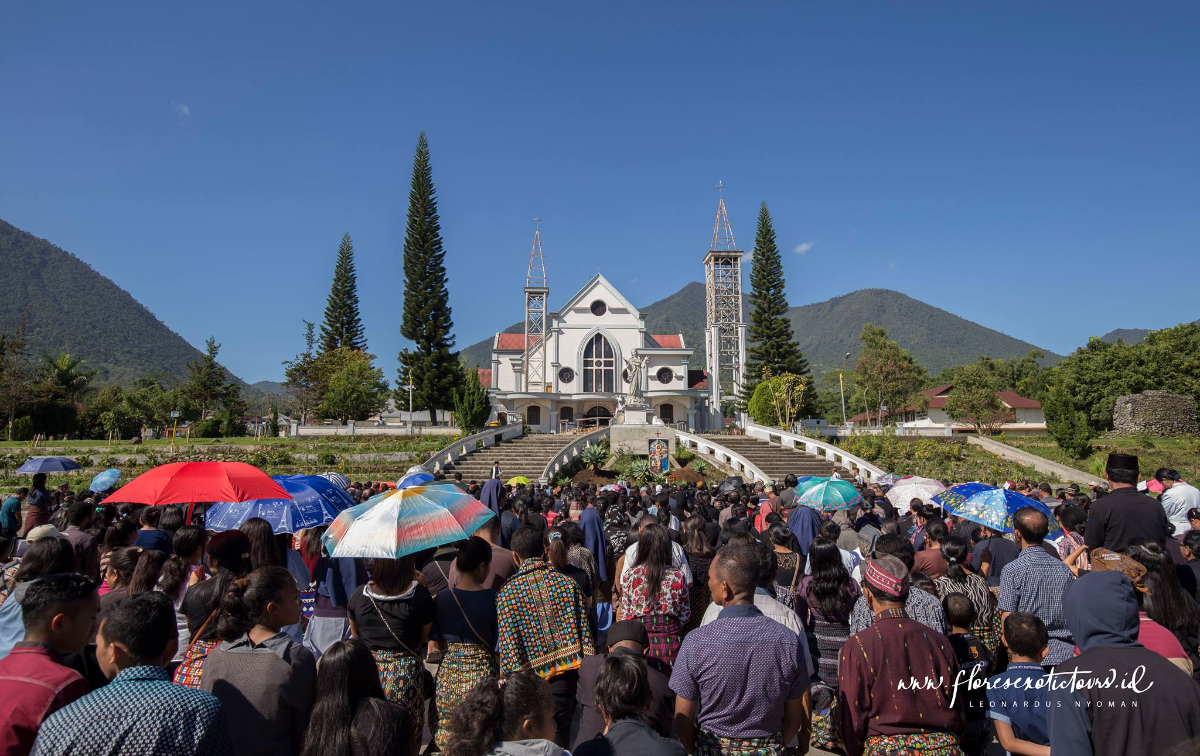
pixel 635 398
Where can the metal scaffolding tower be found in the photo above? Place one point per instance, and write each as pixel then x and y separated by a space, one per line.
pixel 537 291
pixel 725 325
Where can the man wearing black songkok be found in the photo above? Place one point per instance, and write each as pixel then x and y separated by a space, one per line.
pixel 1125 515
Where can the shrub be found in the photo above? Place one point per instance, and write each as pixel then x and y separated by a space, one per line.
pixel 22 429
pixel 327 458
pixel 595 456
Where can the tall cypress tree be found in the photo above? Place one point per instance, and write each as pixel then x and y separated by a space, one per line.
pixel 342 326
pixel 430 365
pixel 769 332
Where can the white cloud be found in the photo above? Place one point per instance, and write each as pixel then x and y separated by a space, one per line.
pixel 804 247
pixel 182 109
pixel 633 280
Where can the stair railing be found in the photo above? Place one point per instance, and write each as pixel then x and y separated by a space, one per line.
pixel 725 456
pixel 814 447
pixel 569 453
pixel 468 445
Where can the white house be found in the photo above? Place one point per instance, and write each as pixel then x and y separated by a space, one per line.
pixel 1019 416
pixel 588 341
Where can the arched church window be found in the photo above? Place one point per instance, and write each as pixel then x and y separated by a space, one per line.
pixel 599 366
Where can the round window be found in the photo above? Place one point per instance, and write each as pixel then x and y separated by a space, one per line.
pixel 566 375
pixel 665 375
pixel 599 308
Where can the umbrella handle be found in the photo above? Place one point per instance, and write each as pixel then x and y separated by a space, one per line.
pixel 191 508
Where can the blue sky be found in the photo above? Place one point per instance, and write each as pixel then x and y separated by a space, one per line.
pixel 1030 166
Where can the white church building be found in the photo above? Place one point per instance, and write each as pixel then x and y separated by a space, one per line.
pixel 569 369
pixel 587 343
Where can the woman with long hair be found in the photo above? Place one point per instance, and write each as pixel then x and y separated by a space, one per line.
pixel 578 555
pixel 655 592
pixel 131 570
pixel 332 584
pixel 262 677
pixel 120 534
pixel 349 703
pixel 960 578
pixel 465 630
pixel 1165 600
pixel 503 717
pixel 268 549
pixel 700 552
pixel 823 601
pixel 1073 522
pixel 393 613
pixel 45 556
pixel 181 572
pixel 227 558
pixel 558 551
pixel 791 564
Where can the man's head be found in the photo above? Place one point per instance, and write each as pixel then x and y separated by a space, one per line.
pixel 1031 526
pixel 960 612
pixel 887 582
pixel 1026 636
pixel 490 530
pixel 527 544
pixel 896 545
pixel 1121 470
pixel 137 631
pixel 22 494
pixel 81 514
pixel 630 635
pixel 60 611
pixel 734 574
pixel 1044 489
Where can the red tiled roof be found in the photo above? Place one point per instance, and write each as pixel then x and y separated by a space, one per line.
pixel 668 340
pixel 510 341
pixel 697 379
pixel 485 377
pixel 1011 398
pixel 1016 401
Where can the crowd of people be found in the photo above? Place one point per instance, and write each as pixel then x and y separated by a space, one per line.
pixel 664 620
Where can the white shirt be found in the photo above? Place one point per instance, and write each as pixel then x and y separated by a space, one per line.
pixel 835 475
pixel 851 560
pixel 769 607
pixel 678 559
pixel 1176 502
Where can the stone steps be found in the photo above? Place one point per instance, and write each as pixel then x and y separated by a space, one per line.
pixel 527 456
pixel 777 462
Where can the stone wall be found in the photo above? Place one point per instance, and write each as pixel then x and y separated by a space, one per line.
pixel 1155 413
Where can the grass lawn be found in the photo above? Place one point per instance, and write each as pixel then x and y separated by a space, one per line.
pixel 945 459
pixel 1182 454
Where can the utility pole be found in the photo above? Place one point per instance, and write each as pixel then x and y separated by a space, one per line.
pixel 410 390
pixel 842 387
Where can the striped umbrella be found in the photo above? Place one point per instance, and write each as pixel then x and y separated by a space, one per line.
pixel 405 521
pixel 828 495
pixel 339 480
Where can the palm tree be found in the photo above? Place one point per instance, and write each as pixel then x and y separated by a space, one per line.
pixel 65 373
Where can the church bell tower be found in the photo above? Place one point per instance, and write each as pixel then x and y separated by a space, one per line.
pixel 725 326
pixel 537 291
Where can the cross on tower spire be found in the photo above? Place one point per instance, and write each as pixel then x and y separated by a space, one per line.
pixel 722 237
pixel 535 274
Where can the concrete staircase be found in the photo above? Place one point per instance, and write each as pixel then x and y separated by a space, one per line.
pixel 527 455
pixel 777 462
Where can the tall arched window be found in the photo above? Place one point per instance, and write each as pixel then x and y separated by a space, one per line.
pixel 599 366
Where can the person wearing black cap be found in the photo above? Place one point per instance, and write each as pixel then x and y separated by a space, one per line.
pixel 1124 515
pixel 625 638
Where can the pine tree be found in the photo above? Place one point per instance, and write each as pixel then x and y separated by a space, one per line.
pixel 342 326
pixel 431 365
pixel 205 386
pixel 472 407
pixel 769 332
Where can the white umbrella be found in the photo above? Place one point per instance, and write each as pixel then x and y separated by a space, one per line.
pixel 914 488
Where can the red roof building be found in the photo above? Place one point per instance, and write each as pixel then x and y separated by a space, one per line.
pixel 1021 415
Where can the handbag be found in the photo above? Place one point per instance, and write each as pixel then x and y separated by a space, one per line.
pixel 428 688
pixel 308 602
pixel 189 671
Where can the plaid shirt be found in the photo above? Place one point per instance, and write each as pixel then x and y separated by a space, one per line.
pixel 1035 582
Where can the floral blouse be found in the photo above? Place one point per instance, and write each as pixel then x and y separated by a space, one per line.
pixel 673 598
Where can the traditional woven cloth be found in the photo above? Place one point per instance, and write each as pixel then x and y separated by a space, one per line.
pixel 915 744
pixel 708 744
pixel 463 666
pixel 824 718
pixel 665 637
pixel 543 622
pixel 192 667
pixel 829 637
pixel 400 676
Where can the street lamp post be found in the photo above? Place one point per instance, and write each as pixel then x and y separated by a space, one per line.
pixel 842 387
pixel 410 390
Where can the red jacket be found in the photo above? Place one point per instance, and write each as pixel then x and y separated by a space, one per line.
pixel 33 685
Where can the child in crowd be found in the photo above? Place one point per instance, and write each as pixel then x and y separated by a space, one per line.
pixel 507 716
pixel 263 677
pixel 1017 697
pixel 975 664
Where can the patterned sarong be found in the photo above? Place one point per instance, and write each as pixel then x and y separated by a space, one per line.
pixel 665 639
pixel 708 744
pixel 400 676
pixel 463 666
pixel 914 744
pixel 192 667
pixel 824 718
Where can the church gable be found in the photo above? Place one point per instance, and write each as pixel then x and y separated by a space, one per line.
pixel 598 302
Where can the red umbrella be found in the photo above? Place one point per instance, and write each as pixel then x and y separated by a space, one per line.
pixel 189 482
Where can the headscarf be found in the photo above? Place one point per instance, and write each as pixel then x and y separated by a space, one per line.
pixel 617 526
pixel 804 523
pixel 490 495
pixel 847 538
pixel 1102 611
pixel 593 539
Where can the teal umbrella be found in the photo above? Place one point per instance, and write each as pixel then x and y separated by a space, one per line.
pixel 829 495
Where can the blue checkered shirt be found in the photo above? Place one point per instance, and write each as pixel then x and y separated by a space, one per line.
pixel 1035 582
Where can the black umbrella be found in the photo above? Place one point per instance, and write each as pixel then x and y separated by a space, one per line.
pixel 729 485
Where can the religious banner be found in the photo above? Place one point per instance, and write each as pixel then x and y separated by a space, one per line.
pixel 659 450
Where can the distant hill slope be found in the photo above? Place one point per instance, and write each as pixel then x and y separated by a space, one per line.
pixel 1130 335
pixel 827 330
pixel 70 307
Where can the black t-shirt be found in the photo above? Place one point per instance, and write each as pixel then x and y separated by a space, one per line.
pixel 479 606
pixel 579 576
pixel 405 616
pixel 435 578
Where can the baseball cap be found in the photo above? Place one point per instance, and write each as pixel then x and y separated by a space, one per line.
pixel 43 531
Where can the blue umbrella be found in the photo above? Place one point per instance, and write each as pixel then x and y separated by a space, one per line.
pixel 48 465
pixel 105 480
pixel 414 479
pixel 991 506
pixel 315 501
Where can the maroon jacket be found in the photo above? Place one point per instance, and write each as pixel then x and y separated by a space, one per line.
pixel 33 685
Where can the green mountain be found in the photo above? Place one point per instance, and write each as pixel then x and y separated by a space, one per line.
pixel 1130 335
pixel 827 330
pixel 70 307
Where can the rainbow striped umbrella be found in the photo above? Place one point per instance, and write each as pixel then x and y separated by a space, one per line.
pixel 828 495
pixel 404 521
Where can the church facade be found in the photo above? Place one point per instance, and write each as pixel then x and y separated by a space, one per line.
pixel 584 367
